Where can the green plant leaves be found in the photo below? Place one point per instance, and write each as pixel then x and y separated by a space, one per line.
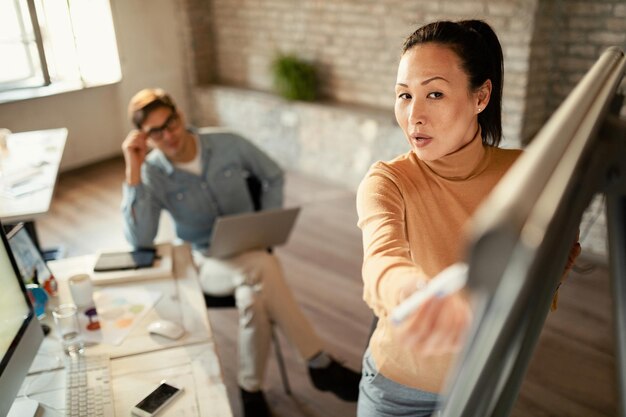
pixel 295 79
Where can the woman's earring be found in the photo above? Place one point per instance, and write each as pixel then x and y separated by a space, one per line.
pixel 479 110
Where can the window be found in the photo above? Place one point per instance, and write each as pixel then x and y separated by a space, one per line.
pixel 67 44
pixel 18 48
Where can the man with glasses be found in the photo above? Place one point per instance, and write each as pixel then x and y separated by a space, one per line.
pixel 197 177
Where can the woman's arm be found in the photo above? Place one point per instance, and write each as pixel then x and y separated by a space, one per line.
pixel 389 273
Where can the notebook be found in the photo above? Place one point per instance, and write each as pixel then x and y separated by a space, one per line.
pixel 238 233
pixel 162 268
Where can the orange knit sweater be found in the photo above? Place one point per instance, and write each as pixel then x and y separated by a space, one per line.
pixel 412 214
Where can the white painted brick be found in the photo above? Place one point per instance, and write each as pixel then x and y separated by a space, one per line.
pixel 502 8
pixel 523 23
pixel 470 8
pixel 516 52
pixel 424 6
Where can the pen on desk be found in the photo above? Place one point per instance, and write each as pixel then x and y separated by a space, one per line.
pixel 445 283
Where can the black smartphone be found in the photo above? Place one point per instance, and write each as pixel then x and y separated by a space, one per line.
pixel 156 400
pixel 117 261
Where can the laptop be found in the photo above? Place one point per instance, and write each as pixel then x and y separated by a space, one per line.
pixel 238 233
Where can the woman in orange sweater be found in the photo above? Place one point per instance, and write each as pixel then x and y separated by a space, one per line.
pixel 412 209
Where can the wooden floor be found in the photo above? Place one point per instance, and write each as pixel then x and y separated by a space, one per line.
pixel 571 375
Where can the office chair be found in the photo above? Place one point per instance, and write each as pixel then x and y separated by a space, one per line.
pixel 255 188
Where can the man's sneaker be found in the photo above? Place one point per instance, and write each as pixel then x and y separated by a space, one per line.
pixel 254 404
pixel 336 378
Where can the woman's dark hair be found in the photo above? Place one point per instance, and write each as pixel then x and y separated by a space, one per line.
pixel 479 50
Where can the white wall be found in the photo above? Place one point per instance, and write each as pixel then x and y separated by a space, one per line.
pixel 151 42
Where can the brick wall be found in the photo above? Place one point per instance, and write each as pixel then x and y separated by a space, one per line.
pixel 568 37
pixel 548 45
pixel 582 30
pixel 199 36
pixel 356 44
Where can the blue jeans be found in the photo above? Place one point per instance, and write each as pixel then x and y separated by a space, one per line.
pixel 381 397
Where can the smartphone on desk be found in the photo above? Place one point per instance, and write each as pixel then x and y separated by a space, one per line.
pixel 157 400
pixel 119 261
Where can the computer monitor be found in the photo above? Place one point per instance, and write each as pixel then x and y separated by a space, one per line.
pixel 20 331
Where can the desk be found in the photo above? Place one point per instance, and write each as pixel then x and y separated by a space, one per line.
pixel 28 174
pixel 142 360
pixel 40 153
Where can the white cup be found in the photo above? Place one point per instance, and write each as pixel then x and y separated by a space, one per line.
pixel 81 289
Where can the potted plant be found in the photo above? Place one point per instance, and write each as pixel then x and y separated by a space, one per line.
pixel 295 79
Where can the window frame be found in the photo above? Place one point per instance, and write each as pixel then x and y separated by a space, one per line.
pixel 39 75
pixel 42 83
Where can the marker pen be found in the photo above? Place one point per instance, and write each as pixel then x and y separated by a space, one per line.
pixel 445 283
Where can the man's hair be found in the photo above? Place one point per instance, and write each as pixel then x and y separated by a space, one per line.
pixel 145 102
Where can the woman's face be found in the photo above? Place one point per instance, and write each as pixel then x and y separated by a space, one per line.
pixel 434 105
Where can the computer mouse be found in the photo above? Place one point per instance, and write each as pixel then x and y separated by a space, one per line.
pixel 167 329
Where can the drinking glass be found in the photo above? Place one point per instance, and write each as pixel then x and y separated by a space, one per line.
pixel 68 328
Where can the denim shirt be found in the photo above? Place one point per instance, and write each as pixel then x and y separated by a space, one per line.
pixel 195 201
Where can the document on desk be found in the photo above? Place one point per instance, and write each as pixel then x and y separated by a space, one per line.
pixel 25 180
pixel 119 310
pixel 14 175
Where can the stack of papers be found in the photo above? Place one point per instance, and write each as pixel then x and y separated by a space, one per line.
pixel 14 176
pixel 18 181
pixel 118 312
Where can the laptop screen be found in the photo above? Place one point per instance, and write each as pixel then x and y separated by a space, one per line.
pixel 27 256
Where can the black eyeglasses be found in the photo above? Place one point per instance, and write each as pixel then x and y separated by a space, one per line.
pixel 171 123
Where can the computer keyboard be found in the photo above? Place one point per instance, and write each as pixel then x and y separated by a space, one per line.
pixel 89 387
